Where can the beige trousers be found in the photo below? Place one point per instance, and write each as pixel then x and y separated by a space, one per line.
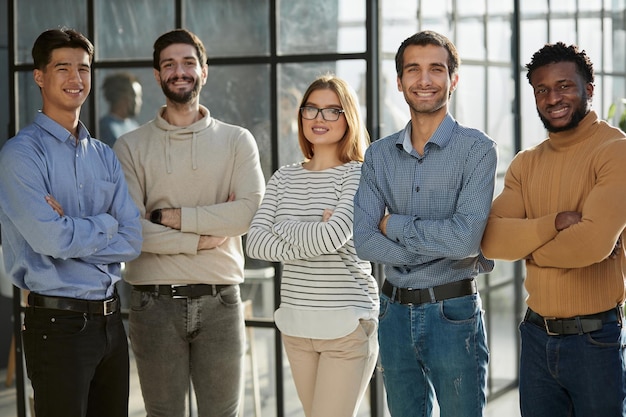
pixel 331 376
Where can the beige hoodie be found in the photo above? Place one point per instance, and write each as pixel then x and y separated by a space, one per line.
pixel 194 168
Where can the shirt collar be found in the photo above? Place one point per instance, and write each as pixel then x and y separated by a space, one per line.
pixel 441 137
pixel 59 132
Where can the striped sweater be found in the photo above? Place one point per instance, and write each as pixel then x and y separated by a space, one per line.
pixel 325 289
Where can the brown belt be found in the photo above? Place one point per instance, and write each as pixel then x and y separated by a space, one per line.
pixel 430 295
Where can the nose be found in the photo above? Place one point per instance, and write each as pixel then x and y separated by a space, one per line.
pixel 554 96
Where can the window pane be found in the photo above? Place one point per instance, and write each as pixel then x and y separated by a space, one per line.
pixel 151 97
pixel 500 113
pixel 128 29
pixel 342 28
pixel 469 98
pixel 32 20
pixel 394 112
pixel 230 28
pixel 470 40
pixel 293 80
pixel 499 38
pixel 502 331
pixel 239 94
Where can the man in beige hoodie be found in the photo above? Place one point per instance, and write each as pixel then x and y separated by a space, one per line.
pixel 197 182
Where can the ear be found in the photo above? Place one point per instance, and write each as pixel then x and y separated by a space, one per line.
pixel 205 73
pixel 38 77
pixel 157 76
pixel 590 88
pixel 453 84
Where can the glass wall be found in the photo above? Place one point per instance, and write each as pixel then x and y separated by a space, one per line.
pixel 263 54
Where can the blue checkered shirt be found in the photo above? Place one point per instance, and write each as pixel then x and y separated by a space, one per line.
pixel 439 203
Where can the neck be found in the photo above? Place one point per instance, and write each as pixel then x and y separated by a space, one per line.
pixel 324 158
pixel 182 114
pixel 423 125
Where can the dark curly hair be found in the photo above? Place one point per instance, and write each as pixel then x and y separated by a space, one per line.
pixel 559 52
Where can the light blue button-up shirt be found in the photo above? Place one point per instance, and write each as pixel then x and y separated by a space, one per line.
pixel 77 255
pixel 439 203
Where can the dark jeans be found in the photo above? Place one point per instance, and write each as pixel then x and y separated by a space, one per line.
pixel 576 375
pixel 77 363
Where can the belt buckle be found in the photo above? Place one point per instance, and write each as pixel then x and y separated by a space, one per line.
pixel 174 290
pixel 108 307
pixel 545 325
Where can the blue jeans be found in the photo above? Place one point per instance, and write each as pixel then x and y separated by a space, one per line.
pixel 77 363
pixel 178 340
pixel 575 375
pixel 434 348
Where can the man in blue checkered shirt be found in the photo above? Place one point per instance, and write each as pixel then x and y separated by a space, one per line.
pixel 421 209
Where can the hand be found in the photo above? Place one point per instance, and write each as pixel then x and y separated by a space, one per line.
pixel 383 224
pixel 56 206
pixel 567 218
pixel 171 217
pixel 210 242
pixel 326 215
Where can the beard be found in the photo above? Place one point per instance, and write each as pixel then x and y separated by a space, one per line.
pixel 183 97
pixel 579 113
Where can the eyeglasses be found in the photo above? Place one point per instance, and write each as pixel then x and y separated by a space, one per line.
pixel 329 114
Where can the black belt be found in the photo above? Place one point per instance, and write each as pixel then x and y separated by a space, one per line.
pixel 103 307
pixel 182 291
pixel 430 295
pixel 573 325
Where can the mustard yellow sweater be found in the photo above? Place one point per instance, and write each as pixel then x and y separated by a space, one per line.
pixel 569 272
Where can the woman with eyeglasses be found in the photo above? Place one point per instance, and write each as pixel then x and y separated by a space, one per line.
pixel 328 314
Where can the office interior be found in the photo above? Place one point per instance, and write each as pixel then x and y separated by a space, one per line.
pixel 264 53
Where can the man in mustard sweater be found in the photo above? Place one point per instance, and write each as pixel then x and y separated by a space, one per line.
pixel 563 210
pixel 197 183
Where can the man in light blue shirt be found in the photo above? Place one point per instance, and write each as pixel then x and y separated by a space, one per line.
pixel 420 210
pixel 67 224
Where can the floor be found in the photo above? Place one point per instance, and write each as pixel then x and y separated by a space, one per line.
pixel 506 405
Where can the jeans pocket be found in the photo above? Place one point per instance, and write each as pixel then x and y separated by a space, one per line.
pixel 461 309
pixel 140 300
pixel 608 336
pixel 229 296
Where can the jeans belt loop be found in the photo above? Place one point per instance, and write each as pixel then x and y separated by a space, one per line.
pixel 431 293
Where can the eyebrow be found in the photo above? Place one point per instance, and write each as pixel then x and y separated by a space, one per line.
pixel 68 64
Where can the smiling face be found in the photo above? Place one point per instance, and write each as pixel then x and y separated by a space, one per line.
pixel 181 74
pixel 561 94
pixel 425 80
pixel 65 82
pixel 320 132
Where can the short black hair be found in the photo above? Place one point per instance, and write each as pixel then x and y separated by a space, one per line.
pixel 53 39
pixel 559 52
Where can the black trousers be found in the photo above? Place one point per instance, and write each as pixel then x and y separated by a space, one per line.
pixel 77 363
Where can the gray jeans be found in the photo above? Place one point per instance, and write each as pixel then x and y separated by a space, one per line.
pixel 180 340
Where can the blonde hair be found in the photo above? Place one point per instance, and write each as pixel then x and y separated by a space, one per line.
pixel 352 145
